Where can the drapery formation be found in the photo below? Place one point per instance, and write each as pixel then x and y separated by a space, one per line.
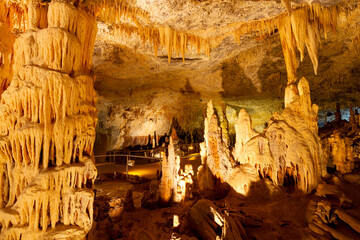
pixel 47 127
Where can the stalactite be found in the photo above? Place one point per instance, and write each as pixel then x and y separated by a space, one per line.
pixel 7 40
pixel 303 28
pixel 47 127
pixel 288 46
pixel 165 37
pixel 299 29
pixel 113 11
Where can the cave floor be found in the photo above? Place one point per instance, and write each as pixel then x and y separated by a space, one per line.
pixel 268 212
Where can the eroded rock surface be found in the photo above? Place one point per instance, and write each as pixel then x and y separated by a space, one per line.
pixel 47 128
pixel 290 145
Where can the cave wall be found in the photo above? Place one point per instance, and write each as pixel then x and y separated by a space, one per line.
pixel 47 128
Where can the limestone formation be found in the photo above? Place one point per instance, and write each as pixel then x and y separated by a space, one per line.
pixel 244 131
pixel 302 28
pixel 242 177
pixel 214 152
pixel 169 178
pixel 185 181
pixel 7 40
pixel 209 223
pixel 47 128
pixel 290 145
pixel 340 151
pixel 299 29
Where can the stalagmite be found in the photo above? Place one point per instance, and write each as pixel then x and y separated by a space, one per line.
pixel 244 131
pixel 340 150
pixel 215 153
pixel 290 145
pixel 47 127
pixel 169 179
pixel 174 186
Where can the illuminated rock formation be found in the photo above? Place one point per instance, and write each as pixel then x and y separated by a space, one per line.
pixel 6 52
pixel 297 30
pixel 185 181
pixel 209 223
pixel 175 182
pixel 47 128
pixel 244 131
pixel 214 152
pixel 290 145
pixel 242 177
pixel 169 178
pixel 302 28
pixel 340 151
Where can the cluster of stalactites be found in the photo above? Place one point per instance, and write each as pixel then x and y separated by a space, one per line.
pixel 40 202
pixel 299 29
pixel 14 15
pixel 32 14
pixel 36 96
pixel 7 40
pixel 114 11
pixel 47 125
pixel 166 37
pixel 302 28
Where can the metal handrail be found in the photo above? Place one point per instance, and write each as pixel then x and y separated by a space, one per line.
pixel 127 159
pixel 126 155
pixel 148 150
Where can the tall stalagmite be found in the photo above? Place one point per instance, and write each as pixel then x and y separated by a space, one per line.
pixel 244 131
pixel 47 127
pixel 170 168
pixel 215 153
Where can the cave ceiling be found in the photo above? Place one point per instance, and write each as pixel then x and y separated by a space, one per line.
pixel 174 55
pixel 248 67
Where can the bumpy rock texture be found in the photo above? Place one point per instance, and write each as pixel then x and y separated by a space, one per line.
pixel 253 54
pixel 47 128
pixel 215 153
pixel 290 145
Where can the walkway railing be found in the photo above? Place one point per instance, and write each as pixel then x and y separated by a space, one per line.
pixel 130 157
pixel 128 160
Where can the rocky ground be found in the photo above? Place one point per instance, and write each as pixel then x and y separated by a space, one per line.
pixel 267 212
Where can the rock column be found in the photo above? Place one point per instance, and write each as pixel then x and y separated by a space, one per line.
pixel 47 127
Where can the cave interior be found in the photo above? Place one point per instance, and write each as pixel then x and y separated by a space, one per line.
pixel 179 119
